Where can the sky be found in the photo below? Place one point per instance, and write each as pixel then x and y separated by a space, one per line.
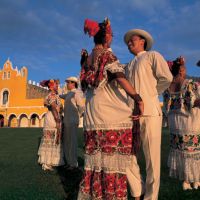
pixel 47 36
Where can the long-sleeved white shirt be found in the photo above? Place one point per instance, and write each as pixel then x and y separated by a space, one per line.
pixel 74 106
pixel 149 73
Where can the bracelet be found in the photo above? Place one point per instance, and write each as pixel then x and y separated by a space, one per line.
pixel 137 98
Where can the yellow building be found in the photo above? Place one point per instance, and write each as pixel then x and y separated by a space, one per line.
pixel 21 101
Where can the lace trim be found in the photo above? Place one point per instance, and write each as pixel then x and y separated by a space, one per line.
pixel 184 166
pixel 107 126
pixel 115 163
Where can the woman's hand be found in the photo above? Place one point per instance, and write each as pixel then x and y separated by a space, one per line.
pixel 138 110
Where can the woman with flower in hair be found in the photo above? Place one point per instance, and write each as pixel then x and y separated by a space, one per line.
pixel 182 101
pixel 50 152
pixel 110 146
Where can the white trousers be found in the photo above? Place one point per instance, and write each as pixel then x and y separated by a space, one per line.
pixel 151 143
pixel 70 144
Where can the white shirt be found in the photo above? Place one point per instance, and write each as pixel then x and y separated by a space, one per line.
pixel 149 73
pixel 73 106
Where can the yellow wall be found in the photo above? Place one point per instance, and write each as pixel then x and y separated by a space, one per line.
pixel 18 106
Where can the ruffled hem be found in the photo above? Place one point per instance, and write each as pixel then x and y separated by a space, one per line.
pixel 184 166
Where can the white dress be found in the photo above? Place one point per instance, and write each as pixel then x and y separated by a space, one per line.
pixel 49 152
pixel 184 125
pixel 108 136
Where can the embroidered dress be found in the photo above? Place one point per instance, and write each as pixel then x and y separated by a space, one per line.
pixel 49 152
pixel 184 125
pixel 107 131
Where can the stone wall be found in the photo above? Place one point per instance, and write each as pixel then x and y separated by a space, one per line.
pixel 35 92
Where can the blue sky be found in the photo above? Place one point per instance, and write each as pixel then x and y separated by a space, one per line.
pixel 47 36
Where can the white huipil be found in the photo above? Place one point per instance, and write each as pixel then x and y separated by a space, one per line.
pixel 73 110
pixel 49 152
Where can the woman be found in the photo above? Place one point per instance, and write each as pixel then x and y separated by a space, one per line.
pixel 182 104
pixel 50 152
pixel 107 119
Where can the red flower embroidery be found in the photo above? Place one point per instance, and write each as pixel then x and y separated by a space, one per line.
pixel 112 138
pixel 110 183
pixel 107 149
pixel 121 182
pixel 195 140
pixel 126 138
pixel 120 193
pixel 97 188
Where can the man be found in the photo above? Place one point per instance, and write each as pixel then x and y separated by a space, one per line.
pixel 149 73
pixel 73 109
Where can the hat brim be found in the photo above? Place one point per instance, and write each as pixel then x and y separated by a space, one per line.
pixel 75 80
pixel 142 33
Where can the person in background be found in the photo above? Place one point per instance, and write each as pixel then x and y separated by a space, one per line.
pixel 109 143
pixel 149 74
pixel 50 150
pixel 73 109
pixel 183 107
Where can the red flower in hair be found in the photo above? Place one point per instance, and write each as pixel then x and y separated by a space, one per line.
pixel 91 27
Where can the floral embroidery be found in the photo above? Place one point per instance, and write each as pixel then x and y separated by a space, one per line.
pixel 184 99
pixel 188 142
pixel 107 186
pixel 90 76
pixel 108 141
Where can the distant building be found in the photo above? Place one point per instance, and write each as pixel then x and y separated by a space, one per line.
pixel 21 101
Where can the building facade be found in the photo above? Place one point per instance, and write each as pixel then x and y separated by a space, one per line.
pixel 21 101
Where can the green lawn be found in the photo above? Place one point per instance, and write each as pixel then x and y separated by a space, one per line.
pixel 21 178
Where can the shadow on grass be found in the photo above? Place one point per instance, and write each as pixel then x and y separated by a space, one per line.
pixel 70 180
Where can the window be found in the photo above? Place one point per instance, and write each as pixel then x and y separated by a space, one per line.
pixel 8 75
pixel 5 97
pixel 4 75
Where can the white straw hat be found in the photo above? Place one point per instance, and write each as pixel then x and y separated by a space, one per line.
pixel 72 78
pixel 142 33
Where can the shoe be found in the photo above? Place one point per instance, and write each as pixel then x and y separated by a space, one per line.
pixel 186 186
pixel 196 185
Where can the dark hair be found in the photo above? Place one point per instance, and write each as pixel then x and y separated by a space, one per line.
pixel 145 42
pixel 177 64
pixel 175 69
pixel 99 38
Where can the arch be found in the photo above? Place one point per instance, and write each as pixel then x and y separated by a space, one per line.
pixel 12 121
pixel 42 119
pixel 1 121
pixel 43 115
pixel 23 120
pixel 34 120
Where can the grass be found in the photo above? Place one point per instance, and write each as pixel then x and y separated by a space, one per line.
pixel 21 178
